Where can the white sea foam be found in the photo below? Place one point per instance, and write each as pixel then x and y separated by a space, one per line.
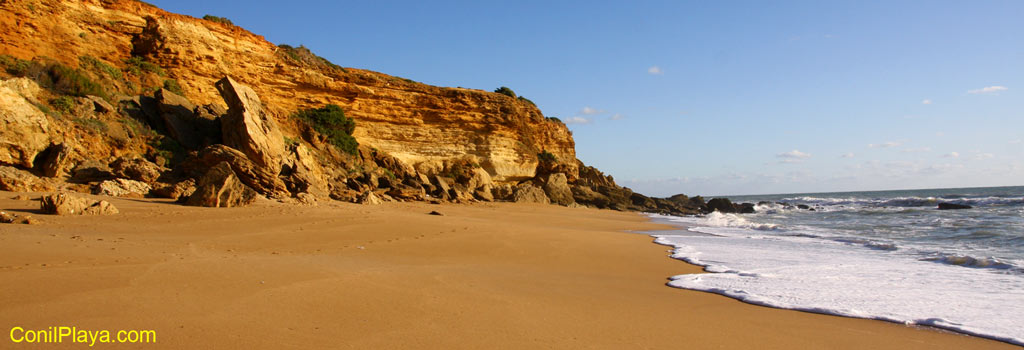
pixel 826 276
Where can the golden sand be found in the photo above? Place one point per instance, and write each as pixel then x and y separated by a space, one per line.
pixel 483 276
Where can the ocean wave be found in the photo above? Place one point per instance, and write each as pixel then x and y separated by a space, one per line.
pixel 970 261
pixel 717 219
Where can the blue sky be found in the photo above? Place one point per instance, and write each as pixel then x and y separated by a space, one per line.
pixel 712 98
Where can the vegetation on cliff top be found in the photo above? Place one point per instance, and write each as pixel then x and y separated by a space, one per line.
pixel 504 90
pixel 331 121
pixel 304 56
pixel 213 18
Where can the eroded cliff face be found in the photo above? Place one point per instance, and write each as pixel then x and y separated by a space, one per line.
pixel 422 125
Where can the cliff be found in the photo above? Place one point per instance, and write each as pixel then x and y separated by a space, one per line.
pixel 118 97
pixel 424 126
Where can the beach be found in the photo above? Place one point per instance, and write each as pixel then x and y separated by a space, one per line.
pixel 339 275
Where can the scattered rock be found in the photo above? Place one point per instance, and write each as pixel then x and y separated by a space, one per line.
pixel 100 105
pixel 435 212
pixel 249 128
pixel 122 188
pixel 90 171
pixel 306 199
pixel 528 193
pixel 67 204
pixel 953 206
pixel 369 198
pixel 407 193
pixel 7 218
pixel 25 129
pixel 178 190
pixel 220 187
pixel 137 169
pixel 345 195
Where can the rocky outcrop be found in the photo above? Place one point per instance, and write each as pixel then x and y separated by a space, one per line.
pixel 138 169
pixel 249 128
pixel 557 189
pixel 67 204
pixel 178 190
pixel 193 127
pixel 23 127
pixel 220 187
pixel 261 179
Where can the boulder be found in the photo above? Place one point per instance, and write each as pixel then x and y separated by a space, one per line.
pixel 249 128
pixel 407 193
pixel 23 127
pixel 178 190
pixel 306 199
pixel 723 205
pixel 100 105
pixel 67 204
pixel 221 188
pixel 17 180
pixel 345 194
pixel 484 193
pixel 557 189
pixel 261 179
pixel 57 162
pixel 136 169
pixel 502 192
pixel 528 193
pixel 176 113
pixel 122 188
pixel 587 196
pixel 745 208
pixel 953 206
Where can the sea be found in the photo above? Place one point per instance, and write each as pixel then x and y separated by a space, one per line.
pixel 886 255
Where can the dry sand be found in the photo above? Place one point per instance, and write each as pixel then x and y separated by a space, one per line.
pixel 340 275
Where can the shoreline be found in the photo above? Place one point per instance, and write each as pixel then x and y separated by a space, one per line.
pixel 811 310
pixel 495 275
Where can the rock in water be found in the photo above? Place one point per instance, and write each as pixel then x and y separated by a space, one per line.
pixel 66 204
pixel 557 189
pixel 220 187
pixel 24 133
pixel 723 205
pixel 952 206
pixel 249 128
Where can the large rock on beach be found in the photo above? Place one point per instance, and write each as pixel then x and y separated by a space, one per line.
pixel 528 193
pixel 67 204
pixel 249 128
pixel 220 187
pixel 123 188
pixel 557 189
pixel 23 127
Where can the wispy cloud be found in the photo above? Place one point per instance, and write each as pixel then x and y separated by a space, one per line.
pixel 655 70
pixel 926 102
pixel 884 144
pixel 951 155
pixel 918 149
pixel 794 156
pixel 846 155
pixel 590 111
pixel 981 156
pixel 988 89
pixel 616 116
pixel 577 120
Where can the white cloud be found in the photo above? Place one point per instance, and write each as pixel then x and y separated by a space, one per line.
pixel 884 144
pixel 577 120
pixel 981 156
pixel 847 155
pixel 616 116
pixel 951 155
pixel 793 156
pixel 655 70
pixel 988 89
pixel 590 111
pixel 1015 142
pixel 926 102
pixel 919 149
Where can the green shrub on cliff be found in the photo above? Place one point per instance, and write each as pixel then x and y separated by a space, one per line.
pixel 93 64
pixel 213 18
pixel 136 65
pixel 331 121
pixel 53 76
pixel 546 157
pixel 504 90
